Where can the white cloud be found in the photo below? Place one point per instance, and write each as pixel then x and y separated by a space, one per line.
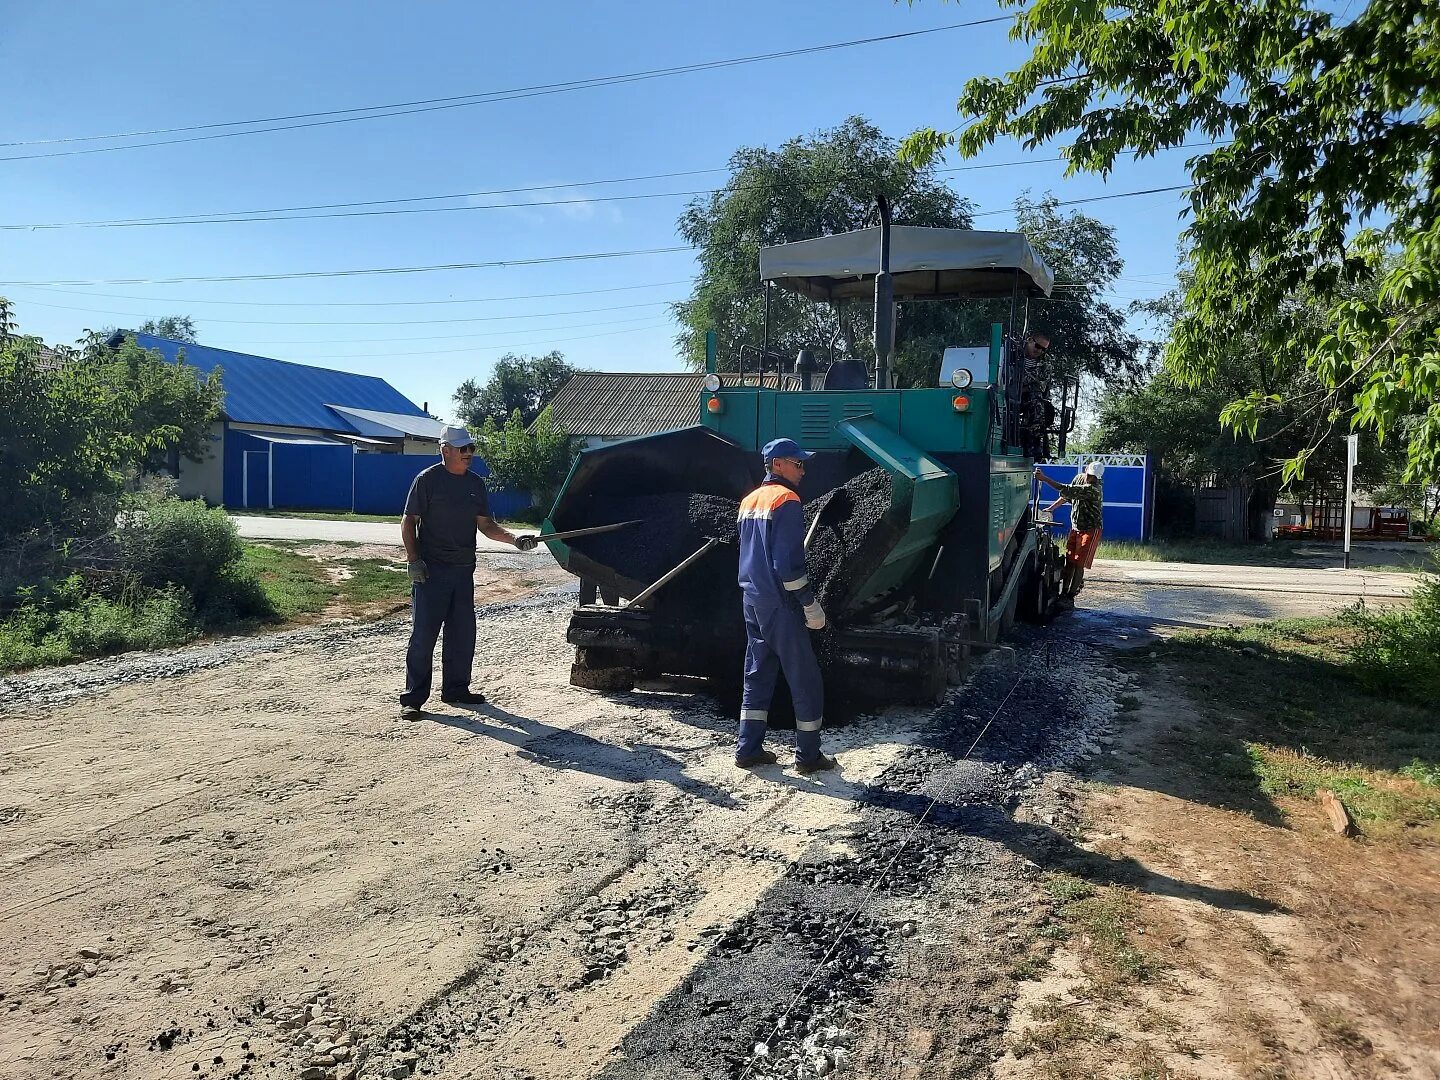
pixel 567 202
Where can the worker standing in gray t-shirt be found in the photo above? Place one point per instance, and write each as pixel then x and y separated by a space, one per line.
pixel 446 507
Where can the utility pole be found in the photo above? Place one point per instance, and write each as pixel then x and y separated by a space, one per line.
pixel 1352 452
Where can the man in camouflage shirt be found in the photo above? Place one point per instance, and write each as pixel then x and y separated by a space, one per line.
pixel 1086 502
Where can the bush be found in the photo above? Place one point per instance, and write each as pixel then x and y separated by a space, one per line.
pixel 1398 652
pixel 177 542
pixel 69 622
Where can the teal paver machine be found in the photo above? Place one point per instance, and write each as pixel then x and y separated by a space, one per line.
pixel 955 557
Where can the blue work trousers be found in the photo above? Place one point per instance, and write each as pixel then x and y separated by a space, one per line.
pixel 779 641
pixel 446 599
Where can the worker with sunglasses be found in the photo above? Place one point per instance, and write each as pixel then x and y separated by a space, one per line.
pixel 447 505
pixel 780 608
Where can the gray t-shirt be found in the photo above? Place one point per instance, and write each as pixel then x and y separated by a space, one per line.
pixel 447 506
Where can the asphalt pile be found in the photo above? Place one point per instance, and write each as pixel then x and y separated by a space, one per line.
pixel 675 524
pixel 860 504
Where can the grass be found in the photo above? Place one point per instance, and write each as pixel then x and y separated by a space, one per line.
pixel 374 581
pixel 299 584
pixel 1276 553
pixel 1295 706
pixel 291 587
pixel 1104 918
pixel 293 584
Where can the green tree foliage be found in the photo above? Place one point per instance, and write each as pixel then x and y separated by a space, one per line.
pixel 519 383
pixel 1328 164
pixel 811 186
pixel 173 327
pixel 1184 422
pixel 524 457
pixel 74 433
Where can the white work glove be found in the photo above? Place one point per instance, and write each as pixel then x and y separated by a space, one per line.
pixel 419 572
pixel 814 616
pixel 527 542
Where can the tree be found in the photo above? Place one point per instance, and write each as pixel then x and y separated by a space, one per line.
pixel 524 457
pixel 72 436
pixel 1328 163
pixel 523 384
pixel 1185 423
pixel 811 186
pixel 174 327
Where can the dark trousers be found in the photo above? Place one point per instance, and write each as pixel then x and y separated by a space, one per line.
pixel 777 641
pixel 446 599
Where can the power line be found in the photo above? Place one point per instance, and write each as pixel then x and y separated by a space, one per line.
pixel 370 271
pixel 478 348
pixel 167 219
pixel 366 272
pixel 457 337
pixel 364 322
pixel 1094 198
pixel 406 108
pixel 303 213
pixel 219 220
pixel 350 303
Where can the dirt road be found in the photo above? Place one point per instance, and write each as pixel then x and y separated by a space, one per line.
pixel 234 859
pixel 269 527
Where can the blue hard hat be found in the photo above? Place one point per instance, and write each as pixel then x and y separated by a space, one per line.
pixel 784 448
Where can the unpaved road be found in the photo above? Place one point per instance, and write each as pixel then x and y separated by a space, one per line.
pixel 234 859
pixel 266 527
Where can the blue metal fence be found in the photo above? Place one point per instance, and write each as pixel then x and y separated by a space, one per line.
pixel 1128 492
pixel 271 470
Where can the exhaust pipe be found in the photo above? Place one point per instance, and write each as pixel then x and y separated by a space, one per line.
pixel 884 302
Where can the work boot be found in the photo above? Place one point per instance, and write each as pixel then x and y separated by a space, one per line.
pixel 749 761
pixel 411 712
pixel 820 764
pixel 464 697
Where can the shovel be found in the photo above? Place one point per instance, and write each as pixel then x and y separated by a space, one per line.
pixel 835 510
pixel 528 542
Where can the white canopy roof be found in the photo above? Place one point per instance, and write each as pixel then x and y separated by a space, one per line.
pixel 925 264
pixel 388 424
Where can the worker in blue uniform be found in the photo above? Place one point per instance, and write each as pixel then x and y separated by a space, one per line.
pixel 780 610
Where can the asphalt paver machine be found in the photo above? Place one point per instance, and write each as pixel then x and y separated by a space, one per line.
pixel 945 562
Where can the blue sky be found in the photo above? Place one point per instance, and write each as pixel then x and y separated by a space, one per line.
pixel 90 68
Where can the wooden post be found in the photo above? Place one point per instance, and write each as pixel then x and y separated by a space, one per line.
pixel 1340 820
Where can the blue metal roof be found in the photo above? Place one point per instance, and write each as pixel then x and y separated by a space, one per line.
pixel 259 390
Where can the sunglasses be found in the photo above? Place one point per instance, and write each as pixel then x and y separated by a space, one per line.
pixel 465 451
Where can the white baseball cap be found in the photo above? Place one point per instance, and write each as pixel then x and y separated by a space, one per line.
pixel 455 436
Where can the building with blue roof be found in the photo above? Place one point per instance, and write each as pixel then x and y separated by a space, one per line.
pixel 301 437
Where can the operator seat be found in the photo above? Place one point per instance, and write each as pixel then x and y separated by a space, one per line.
pixel 847 375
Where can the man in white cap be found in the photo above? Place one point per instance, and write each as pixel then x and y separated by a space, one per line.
pixel 446 507
pixel 1086 514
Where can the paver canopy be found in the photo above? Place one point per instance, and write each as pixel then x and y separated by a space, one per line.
pixel 925 264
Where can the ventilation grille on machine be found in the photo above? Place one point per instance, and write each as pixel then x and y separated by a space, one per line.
pixel 819 419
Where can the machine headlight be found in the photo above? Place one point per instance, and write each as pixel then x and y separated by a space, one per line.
pixel 713 382
pixel 961 377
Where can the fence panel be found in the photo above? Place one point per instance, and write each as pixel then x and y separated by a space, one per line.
pixel 1125 490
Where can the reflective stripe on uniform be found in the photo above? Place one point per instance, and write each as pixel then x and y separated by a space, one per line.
pixel 798 584
pixel 755 714
pixel 808 725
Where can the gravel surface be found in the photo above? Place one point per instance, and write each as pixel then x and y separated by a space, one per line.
pixel 790 990
pixel 234 859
